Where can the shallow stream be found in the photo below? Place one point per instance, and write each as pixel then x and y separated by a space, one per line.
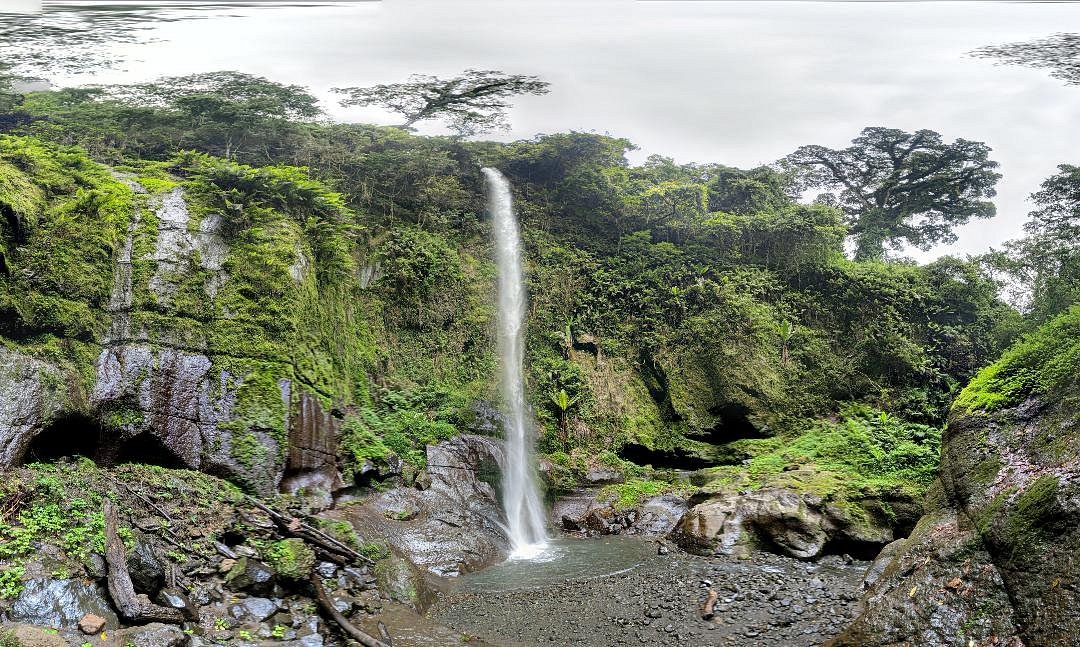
pixel 565 559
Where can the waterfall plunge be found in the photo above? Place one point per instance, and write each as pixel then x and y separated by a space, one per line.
pixel 521 497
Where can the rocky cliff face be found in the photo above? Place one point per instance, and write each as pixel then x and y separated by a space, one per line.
pixel 196 336
pixel 996 561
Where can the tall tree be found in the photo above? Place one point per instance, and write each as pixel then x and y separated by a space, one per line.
pixel 1045 265
pixel 227 112
pixel 898 187
pixel 1059 53
pixel 475 101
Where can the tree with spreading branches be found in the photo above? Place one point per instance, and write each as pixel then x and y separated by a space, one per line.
pixel 1059 53
pixel 898 187
pixel 473 102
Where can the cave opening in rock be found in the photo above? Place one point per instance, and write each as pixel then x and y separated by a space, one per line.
pixel 734 424
pixel 70 435
pixel 866 550
pixel 676 459
pixel 148 449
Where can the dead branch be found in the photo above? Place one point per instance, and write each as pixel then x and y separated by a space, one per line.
pixel 296 528
pixel 134 608
pixel 349 628
pixel 707 608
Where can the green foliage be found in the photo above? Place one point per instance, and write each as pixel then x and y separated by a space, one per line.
pixel 291 558
pixel 864 453
pixel 663 296
pixel 473 102
pixel 402 423
pixel 901 187
pixel 62 218
pixel 11 585
pixel 1042 364
pixel 631 493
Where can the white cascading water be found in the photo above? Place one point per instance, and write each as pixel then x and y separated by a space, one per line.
pixel 525 524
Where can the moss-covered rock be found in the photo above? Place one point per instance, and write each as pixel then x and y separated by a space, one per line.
pixel 1011 486
pixel 214 316
pixel 290 558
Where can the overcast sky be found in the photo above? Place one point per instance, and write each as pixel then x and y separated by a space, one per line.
pixel 741 83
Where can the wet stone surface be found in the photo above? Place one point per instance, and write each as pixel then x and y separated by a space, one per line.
pixel 763 601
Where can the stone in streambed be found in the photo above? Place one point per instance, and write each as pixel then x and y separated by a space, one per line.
pixel 61 603
pixel 250 575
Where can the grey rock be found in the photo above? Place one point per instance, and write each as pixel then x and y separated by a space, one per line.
pixel 60 604
pixel 250 575
pixel 455 525
pixel 152 635
pixel 31 636
pixel 253 609
pixel 32 394
pixel 146 568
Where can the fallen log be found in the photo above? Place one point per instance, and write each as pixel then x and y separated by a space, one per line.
pixel 133 608
pixel 707 608
pixel 297 528
pixel 349 628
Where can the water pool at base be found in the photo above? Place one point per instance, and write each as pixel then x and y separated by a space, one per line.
pixel 564 559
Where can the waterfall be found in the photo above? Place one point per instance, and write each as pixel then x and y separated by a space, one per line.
pixel 521 497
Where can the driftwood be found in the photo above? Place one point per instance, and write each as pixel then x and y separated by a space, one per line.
pixel 331 548
pixel 707 608
pixel 349 628
pixel 136 609
pixel 385 634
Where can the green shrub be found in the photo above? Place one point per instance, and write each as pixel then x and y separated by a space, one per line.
pixel 1041 364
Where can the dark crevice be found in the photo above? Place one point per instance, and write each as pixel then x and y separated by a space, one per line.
pixel 734 425
pixel 11 120
pixel 70 435
pixel 148 449
pixel 14 223
pixel 676 458
pixel 865 550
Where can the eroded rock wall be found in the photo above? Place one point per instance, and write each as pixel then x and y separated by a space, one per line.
pixel 996 560
pixel 207 346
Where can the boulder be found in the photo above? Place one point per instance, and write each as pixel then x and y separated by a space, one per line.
pixel 250 575
pixel 996 558
pixel 455 524
pixel 774 517
pixel 940 587
pixel 584 511
pixel 152 635
pixel 31 636
pixel 782 520
pixel 90 624
pixel 253 609
pixel 146 568
pixel 61 603
pixel 31 396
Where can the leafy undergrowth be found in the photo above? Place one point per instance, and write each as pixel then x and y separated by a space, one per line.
pixel 61 505
pixel 632 493
pixel 566 471
pixel 865 453
pixel 1043 363
pixel 402 423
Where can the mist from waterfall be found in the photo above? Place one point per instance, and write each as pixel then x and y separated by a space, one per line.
pixel 525 523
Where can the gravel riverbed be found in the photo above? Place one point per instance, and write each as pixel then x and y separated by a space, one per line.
pixel 764 601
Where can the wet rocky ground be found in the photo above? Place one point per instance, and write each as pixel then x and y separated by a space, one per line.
pixel 763 601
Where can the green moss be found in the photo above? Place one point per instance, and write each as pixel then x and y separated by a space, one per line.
pixel 633 492
pixel 291 558
pixel 245 446
pixel 1042 364
pixel 1034 506
pixel 866 453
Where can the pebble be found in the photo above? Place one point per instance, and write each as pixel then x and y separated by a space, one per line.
pixel 764 600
